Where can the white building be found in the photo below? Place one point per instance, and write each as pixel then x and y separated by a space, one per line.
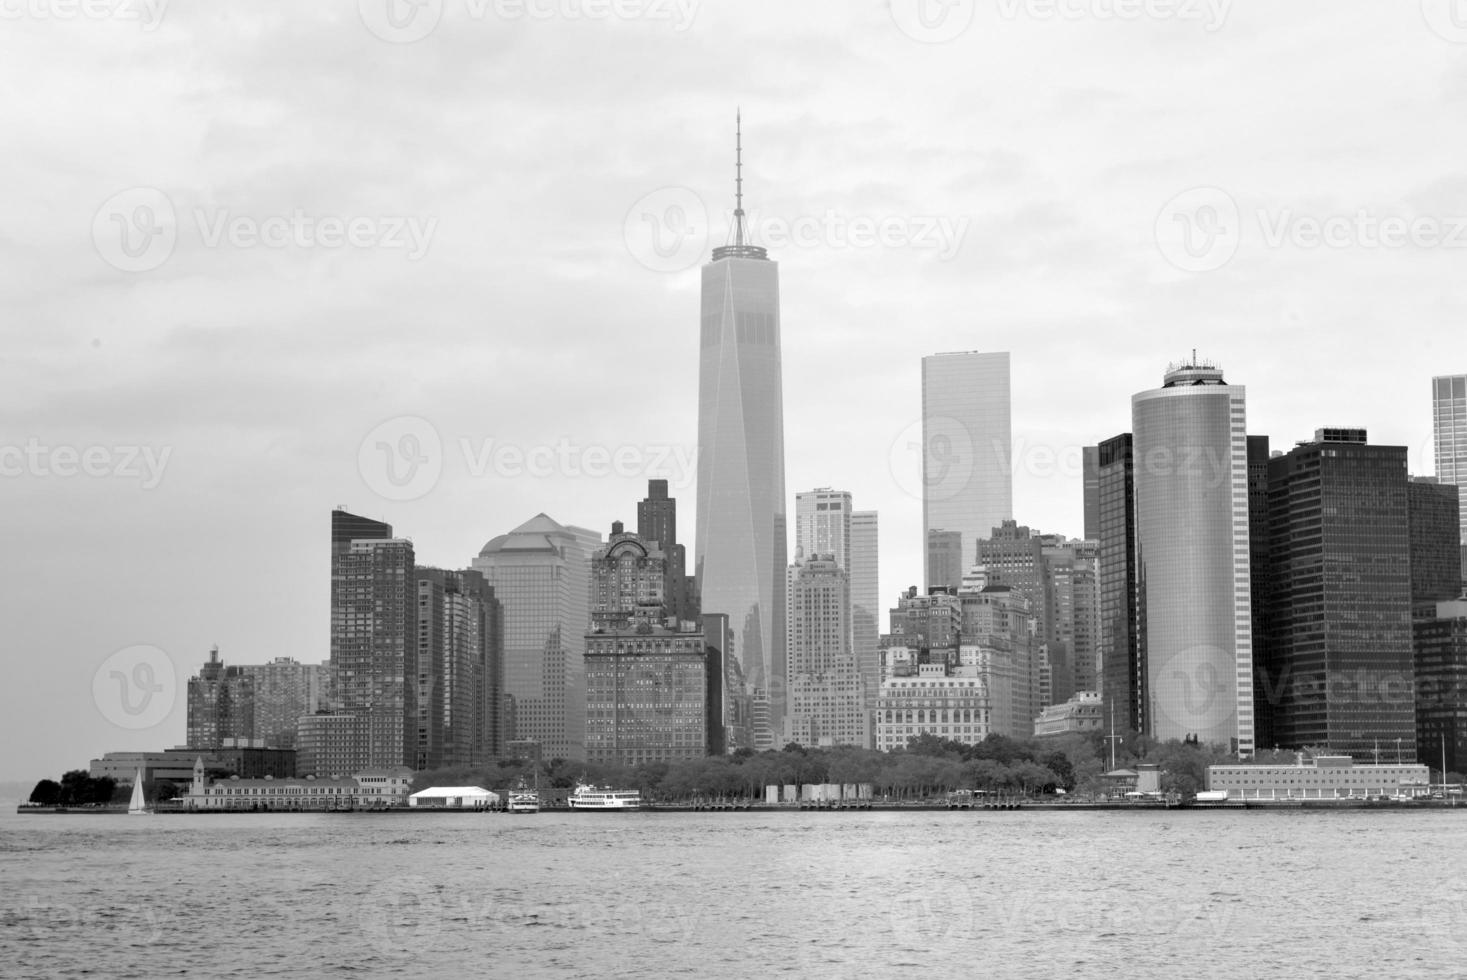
pixel 454 798
pixel 1322 778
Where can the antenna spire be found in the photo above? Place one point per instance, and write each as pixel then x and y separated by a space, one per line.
pixel 738 175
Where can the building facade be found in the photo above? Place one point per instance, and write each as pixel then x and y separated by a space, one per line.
pixel 1440 653
pixel 458 670
pixel 657 521
pixel 827 698
pixel 1339 664
pixel 742 543
pixel 866 603
pixel 1194 587
pixel 221 705
pixel 945 564
pixel 1085 712
pixel 541 575
pixel 1320 778
pixel 932 699
pixel 1122 664
pixel 374 639
pixel 967 447
pixel 1449 431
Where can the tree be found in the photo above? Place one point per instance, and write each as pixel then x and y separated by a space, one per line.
pixel 46 793
pixel 76 787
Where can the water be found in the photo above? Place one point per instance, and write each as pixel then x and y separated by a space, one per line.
pixel 1082 894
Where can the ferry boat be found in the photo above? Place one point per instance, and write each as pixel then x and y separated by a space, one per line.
pixel 523 800
pixel 587 797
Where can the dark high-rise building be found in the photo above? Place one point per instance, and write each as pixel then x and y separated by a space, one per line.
pixel 1441 685
pixel 221 705
pixel 1449 431
pixel 1338 656
pixel 1436 543
pixel 1122 643
pixel 742 544
pixel 657 521
pixel 373 649
pixel 1258 455
pixel 457 669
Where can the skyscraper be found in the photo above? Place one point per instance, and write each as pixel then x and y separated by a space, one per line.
pixel 541 575
pixel 827 704
pixel 1122 641
pixel 657 521
pixel 823 524
pixel 1192 547
pixel 458 667
pixel 1449 427
pixel 373 644
pixel 967 447
pixel 1090 474
pixel 1339 655
pixel 221 705
pixel 742 543
pixel 945 565
pixel 865 599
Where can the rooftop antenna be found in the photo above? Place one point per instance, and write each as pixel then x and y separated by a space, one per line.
pixel 738 175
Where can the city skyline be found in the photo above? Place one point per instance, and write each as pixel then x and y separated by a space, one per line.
pixel 238 388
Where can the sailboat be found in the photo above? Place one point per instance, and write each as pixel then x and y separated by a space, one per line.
pixel 138 804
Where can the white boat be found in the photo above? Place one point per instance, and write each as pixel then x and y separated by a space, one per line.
pixel 137 804
pixel 587 797
pixel 524 800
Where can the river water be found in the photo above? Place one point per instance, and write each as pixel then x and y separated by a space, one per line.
pixel 1149 894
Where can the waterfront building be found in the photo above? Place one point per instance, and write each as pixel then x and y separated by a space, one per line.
pixel 654 690
pixel 935 699
pixel 541 575
pixel 1082 713
pixel 1449 431
pixel 373 641
pixel 1190 468
pixel 827 699
pixel 370 788
pixel 459 668
pixel 741 524
pixel 221 704
pixel 1325 777
pixel 1339 654
pixel 967 447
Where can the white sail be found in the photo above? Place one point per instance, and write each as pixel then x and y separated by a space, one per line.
pixel 137 804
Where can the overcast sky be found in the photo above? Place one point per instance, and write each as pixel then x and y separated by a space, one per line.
pixel 440 265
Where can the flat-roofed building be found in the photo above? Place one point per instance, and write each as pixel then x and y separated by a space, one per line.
pixel 1324 777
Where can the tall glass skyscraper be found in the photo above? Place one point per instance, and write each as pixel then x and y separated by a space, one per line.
pixel 742 545
pixel 1449 425
pixel 541 575
pixel 1190 459
pixel 967 448
pixel 865 604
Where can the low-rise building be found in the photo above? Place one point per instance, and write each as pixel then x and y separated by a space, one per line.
pixel 1324 777
pixel 369 789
